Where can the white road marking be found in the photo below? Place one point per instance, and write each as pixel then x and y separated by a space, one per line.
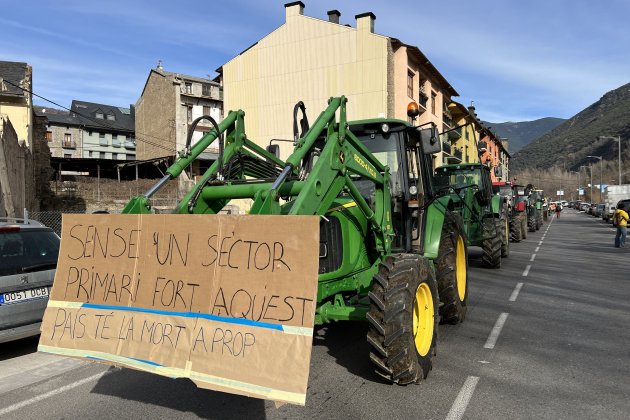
pixel 52 393
pixel 537 248
pixel 516 291
pixel 496 330
pixel 463 398
pixel 533 257
pixel 526 271
pixel 539 243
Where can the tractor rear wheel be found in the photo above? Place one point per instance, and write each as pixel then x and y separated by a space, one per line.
pixel 505 234
pixel 403 319
pixel 523 219
pixel 491 247
pixel 451 272
pixel 515 229
pixel 531 222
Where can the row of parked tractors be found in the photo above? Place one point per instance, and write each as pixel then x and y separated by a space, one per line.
pixel 526 208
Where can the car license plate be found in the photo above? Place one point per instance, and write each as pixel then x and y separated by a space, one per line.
pixel 23 295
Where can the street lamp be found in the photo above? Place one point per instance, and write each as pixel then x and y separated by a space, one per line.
pixel 601 164
pixel 618 140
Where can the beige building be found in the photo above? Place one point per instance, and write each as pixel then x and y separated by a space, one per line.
pixel 309 59
pixel 169 103
pixel 16 101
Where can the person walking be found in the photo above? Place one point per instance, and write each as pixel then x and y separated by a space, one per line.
pixel 558 210
pixel 620 220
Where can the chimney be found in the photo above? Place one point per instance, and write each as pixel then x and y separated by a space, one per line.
pixel 159 65
pixel 333 16
pixel 295 8
pixel 365 21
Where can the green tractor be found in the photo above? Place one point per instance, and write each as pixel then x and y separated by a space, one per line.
pixel 392 252
pixel 506 190
pixel 521 209
pixel 484 214
pixel 534 212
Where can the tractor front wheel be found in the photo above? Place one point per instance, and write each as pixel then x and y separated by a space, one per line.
pixel 403 319
pixel 523 219
pixel 515 229
pixel 451 272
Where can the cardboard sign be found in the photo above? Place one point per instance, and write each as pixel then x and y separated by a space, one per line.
pixel 227 301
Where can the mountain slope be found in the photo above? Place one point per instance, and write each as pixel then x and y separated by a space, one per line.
pixel 569 144
pixel 520 134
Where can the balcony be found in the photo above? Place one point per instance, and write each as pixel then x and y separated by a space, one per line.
pixel 455 134
pixel 102 141
pixel 68 144
pixel 116 143
pixel 446 144
pixel 130 144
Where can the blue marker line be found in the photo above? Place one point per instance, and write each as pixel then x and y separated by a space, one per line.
pixel 240 321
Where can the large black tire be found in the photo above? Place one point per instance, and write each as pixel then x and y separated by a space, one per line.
pixel 539 220
pixel 531 223
pixel 403 310
pixel 515 229
pixel 451 268
pixel 523 218
pixel 505 234
pixel 491 247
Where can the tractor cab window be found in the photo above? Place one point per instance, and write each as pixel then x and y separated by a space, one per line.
pixel 384 146
pixel 456 178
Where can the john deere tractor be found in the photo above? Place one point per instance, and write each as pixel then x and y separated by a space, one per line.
pixel 392 248
pixel 505 189
pixel 521 209
pixel 484 213
pixel 534 215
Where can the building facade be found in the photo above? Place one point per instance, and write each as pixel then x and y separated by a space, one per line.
pixel 63 133
pixel 308 59
pixel 169 103
pixel 16 99
pixel 108 131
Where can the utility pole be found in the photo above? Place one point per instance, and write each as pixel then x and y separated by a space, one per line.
pixel 601 164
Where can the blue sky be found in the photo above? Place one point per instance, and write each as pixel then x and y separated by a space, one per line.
pixel 518 60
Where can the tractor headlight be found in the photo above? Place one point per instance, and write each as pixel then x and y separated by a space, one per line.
pixel 385 128
pixel 413 190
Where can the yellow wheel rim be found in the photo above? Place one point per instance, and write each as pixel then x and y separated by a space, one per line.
pixel 423 319
pixel 460 268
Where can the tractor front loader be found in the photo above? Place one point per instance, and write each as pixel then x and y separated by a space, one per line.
pixel 392 252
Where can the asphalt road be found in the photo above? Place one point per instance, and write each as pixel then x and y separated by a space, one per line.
pixel 546 336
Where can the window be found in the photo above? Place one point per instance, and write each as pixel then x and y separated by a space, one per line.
pixel 67 155
pixel 90 153
pixel 131 157
pixel 205 90
pixel 101 135
pixel 410 84
pixel 90 133
pixel 189 114
pixel 114 136
pixel 188 88
pixel 101 155
pixel 115 156
pixel 67 141
pixel 433 100
pixel 99 114
pixel 49 136
pixel 102 140
pixel 207 110
pixel 111 117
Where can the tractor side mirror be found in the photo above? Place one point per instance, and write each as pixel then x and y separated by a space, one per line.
pixel 274 149
pixel 430 141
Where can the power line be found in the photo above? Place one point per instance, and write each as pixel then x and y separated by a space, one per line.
pixel 100 123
